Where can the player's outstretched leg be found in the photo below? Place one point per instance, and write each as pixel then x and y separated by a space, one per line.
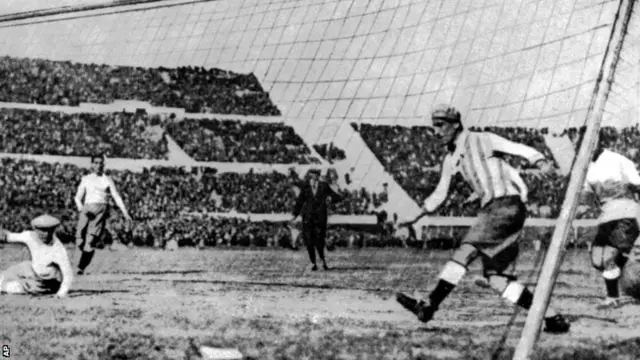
pixel 451 274
pixel 517 294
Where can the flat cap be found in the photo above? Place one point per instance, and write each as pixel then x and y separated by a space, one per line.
pixel 445 112
pixel 45 222
pixel 315 171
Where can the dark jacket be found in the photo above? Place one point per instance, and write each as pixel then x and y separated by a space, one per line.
pixel 313 208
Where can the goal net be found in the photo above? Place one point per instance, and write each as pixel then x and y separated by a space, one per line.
pixel 508 63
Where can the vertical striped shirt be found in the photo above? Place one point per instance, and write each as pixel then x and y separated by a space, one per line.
pixel 489 176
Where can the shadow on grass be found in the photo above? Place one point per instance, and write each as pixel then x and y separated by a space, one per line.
pixel 160 272
pixel 357 268
pixel 81 292
pixel 438 330
pixel 574 317
pixel 268 284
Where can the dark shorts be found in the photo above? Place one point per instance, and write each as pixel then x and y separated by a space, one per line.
pixel 496 232
pixel 91 225
pixel 620 234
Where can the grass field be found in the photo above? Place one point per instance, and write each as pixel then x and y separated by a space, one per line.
pixel 151 304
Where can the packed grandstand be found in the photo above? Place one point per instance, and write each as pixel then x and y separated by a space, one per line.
pixel 160 197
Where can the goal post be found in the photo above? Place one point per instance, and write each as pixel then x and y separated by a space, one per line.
pixel 552 262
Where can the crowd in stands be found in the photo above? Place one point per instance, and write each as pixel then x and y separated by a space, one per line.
pixel 195 89
pixel 157 196
pixel 330 152
pixel 121 135
pixel 235 141
pixel 142 136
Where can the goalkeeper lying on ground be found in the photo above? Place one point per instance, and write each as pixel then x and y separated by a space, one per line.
pixel 48 272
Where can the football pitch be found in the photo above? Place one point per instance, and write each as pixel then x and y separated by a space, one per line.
pixel 153 304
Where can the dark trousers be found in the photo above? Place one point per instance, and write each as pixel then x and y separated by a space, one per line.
pixel 314 239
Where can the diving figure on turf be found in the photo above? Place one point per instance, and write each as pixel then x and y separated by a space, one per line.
pixel 495 236
pixel 48 272
pixel 611 184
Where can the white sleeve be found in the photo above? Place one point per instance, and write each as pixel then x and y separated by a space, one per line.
pixel 630 172
pixel 23 237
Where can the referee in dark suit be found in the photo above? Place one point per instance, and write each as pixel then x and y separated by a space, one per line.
pixel 312 204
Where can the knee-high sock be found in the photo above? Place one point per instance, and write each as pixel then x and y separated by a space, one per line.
pixel 611 277
pixel 453 271
pixel 450 276
pixel 515 293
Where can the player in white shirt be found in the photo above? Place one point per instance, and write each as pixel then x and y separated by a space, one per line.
pixel 611 184
pixel 48 272
pixel 92 201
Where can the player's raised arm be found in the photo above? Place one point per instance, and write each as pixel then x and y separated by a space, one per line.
pixel 79 198
pixel 500 144
pixel 118 199
pixel 21 237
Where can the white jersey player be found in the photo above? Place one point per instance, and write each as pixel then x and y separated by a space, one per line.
pixel 48 272
pixel 611 184
pixel 92 201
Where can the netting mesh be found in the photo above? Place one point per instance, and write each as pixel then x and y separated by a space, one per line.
pixel 516 63
pixel 622 108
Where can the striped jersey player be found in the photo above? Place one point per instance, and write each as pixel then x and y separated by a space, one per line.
pixel 611 184
pixel 92 201
pixel 495 235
